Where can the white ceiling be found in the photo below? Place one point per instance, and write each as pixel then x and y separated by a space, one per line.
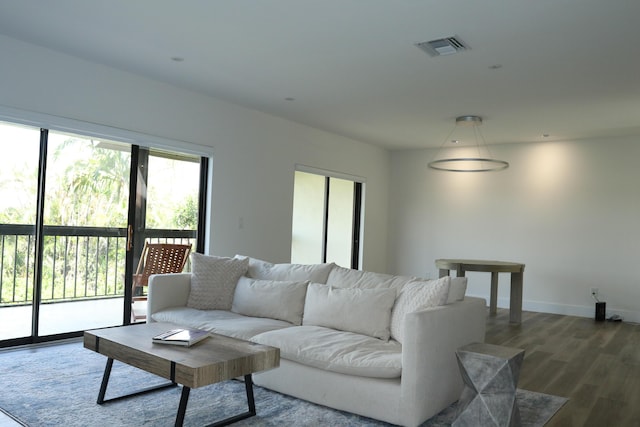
pixel 567 68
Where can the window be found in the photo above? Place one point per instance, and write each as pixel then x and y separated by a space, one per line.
pixel 326 219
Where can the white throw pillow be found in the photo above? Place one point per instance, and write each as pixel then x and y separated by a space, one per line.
pixel 213 281
pixel 457 290
pixel 259 269
pixel 417 295
pixel 364 311
pixel 270 298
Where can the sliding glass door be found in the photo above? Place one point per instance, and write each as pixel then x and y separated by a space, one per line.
pixel 75 212
pixel 326 219
pixel 86 194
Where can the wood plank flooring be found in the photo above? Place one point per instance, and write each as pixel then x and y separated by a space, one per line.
pixel 595 364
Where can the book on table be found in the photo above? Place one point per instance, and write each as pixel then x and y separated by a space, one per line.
pixel 182 336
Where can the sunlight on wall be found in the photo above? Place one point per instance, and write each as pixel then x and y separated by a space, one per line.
pixel 547 167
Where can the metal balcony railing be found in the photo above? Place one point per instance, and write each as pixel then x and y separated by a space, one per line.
pixel 78 262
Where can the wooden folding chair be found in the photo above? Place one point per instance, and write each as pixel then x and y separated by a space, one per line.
pixel 157 258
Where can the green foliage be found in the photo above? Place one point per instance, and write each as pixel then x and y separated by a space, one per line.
pixel 186 215
pixel 91 186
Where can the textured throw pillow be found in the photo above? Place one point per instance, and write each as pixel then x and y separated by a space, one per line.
pixel 270 298
pixel 213 281
pixel 415 296
pixel 364 311
pixel 457 290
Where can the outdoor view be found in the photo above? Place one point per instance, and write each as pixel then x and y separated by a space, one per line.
pixel 85 221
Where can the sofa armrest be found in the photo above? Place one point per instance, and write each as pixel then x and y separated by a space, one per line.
pixel 167 290
pixel 431 378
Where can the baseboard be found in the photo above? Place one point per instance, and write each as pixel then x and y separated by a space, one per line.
pixel 629 316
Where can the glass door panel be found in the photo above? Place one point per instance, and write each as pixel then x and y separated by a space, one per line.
pixel 166 210
pixel 340 222
pixel 172 192
pixel 84 243
pixel 19 148
pixel 307 237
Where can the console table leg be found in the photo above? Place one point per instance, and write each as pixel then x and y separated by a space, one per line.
pixel 493 304
pixel 515 308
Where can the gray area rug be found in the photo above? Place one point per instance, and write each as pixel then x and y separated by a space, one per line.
pixel 58 385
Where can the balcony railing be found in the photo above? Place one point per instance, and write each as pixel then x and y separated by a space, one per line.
pixel 78 262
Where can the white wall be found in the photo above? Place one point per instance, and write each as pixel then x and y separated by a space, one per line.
pixel 570 211
pixel 254 154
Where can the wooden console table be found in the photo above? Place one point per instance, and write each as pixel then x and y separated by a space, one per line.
pixel 494 267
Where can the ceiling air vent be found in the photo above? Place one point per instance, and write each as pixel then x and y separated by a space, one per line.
pixel 445 46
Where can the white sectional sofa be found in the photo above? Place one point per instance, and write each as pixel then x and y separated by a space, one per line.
pixel 376 345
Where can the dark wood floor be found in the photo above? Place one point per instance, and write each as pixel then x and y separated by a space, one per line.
pixel 594 364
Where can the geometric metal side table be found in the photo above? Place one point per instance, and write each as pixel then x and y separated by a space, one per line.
pixel 490 374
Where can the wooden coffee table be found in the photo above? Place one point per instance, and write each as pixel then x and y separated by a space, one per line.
pixel 217 358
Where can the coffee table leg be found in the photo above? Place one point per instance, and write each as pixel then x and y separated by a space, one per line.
pixel 105 383
pixel 182 408
pixel 248 384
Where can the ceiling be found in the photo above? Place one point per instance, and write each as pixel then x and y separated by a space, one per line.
pixel 566 68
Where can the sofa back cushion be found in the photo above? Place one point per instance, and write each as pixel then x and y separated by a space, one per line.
pixel 341 277
pixel 282 300
pixel 364 311
pixel 417 295
pixel 213 281
pixel 259 269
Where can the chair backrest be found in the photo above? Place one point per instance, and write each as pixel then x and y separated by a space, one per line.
pixel 161 258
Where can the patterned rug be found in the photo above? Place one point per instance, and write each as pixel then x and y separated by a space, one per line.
pixel 57 385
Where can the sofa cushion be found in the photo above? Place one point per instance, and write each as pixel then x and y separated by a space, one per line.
pixel 259 269
pixel 457 290
pixel 417 295
pixel 221 322
pixel 364 311
pixel 213 281
pixel 283 300
pixel 341 277
pixel 337 351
